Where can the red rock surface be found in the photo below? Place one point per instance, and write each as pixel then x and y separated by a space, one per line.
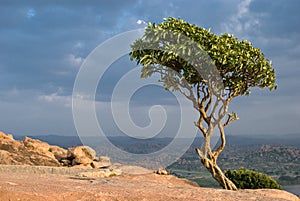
pixel 28 186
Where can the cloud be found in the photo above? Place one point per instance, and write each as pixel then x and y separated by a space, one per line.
pixel 39 42
pixel 74 61
pixel 44 43
pixel 243 21
pixel 139 22
pixel 56 98
pixel 265 115
pixel 31 13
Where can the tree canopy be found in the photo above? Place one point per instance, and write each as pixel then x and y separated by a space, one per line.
pixel 240 65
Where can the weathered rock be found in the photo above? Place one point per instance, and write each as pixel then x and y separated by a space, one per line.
pixel 82 160
pixel 82 151
pixel 65 162
pixel 161 171
pixel 4 136
pixel 38 146
pixel 11 146
pixel 96 164
pixel 101 162
pixel 81 155
pixel 35 152
pixel 23 157
pixel 59 153
pixel 6 158
pixel 14 152
pixel 42 160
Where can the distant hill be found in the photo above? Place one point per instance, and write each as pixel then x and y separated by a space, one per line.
pixel 62 141
pixel 128 142
pixel 287 140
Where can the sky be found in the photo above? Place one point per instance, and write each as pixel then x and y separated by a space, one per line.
pixel 44 44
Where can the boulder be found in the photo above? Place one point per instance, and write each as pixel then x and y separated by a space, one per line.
pixel 161 171
pixel 6 158
pixel 65 162
pixel 14 152
pixel 81 155
pixel 42 160
pixel 38 146
pixel 101 162
pixel 82 160
pixel 82 151
pixel 59 153
pixel 4 136
pixel 12 146
pixel 25 157
pixel 35 152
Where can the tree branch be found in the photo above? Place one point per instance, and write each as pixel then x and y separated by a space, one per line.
pixel 230 118
pixel 202 109
pixel 216 153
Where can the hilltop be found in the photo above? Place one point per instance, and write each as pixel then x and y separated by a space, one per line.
pixel 61 181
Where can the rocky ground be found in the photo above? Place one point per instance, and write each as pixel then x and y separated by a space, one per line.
pixel 78 174
pixel 128 186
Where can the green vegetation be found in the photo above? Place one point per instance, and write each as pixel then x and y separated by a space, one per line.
pixel 249 179
pixel 284 168
pixel 50 149
pixel 289 180
pixel 209 70
pixel 206 182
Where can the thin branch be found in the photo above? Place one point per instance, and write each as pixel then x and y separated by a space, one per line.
pixel 208 104
pixel 230 119
pixel 214 110
pixel 200 153
pixel 199 124
pixel 189 96
pixel 202 108
pixel 198 95
pixel 223 143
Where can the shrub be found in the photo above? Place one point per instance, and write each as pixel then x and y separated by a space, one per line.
pixel 249 179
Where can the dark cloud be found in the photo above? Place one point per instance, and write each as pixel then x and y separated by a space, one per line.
pixel 43 44
pixel 279 18
pixel 37 38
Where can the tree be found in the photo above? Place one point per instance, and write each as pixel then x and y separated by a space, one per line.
pixel 208 70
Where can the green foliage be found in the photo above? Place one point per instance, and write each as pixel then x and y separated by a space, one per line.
pixel 206 182
pixel 50 149
pixel 240 65
pixel 248 179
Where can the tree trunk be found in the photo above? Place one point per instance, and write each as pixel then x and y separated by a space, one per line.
pixel 218 174
pixel 211 165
